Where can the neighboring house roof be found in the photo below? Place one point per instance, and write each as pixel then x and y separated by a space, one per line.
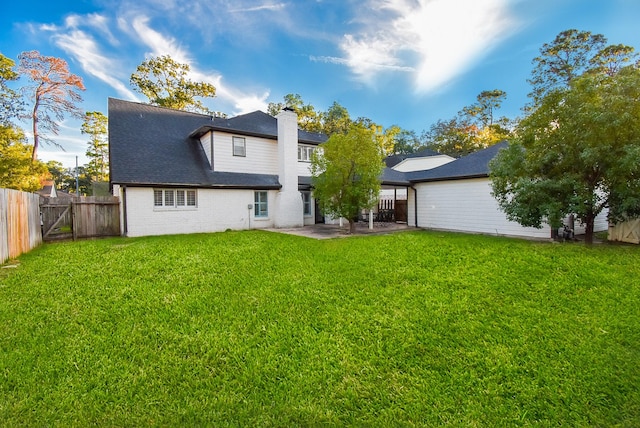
pixel 393 160
pixel 471 166
pixel 150 145
pixel 48 189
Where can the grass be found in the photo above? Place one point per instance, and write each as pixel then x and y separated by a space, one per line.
pixel 261 329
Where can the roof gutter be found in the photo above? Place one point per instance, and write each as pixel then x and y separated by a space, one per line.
pixel 203 186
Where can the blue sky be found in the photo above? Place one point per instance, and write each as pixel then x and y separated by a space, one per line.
pixel 402 62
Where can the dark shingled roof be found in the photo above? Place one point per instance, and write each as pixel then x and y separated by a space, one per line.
pixel 256 124
pixel 150 145
pixel 471 166
pixel 394 160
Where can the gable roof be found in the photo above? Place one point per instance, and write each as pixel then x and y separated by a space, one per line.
pixel 393 160
pixel 474 165
pixel 257 124
pixel 151 145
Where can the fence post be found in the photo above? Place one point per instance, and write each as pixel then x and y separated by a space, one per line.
pixel 74 224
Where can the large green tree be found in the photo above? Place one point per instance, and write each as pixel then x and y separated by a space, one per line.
pixel 165 82
pixel 578 153
pixel 346 172
pixel 95 126
pixel 17 170
pixel 577 148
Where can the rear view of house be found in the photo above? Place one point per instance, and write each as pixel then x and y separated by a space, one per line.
pixel 181 172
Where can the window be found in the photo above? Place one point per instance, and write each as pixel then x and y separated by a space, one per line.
pixel 157 198
pixel 239 146
pixel 306 203
pixel 169 198
pixel 174 198
pixel 304 153
pixel 260 206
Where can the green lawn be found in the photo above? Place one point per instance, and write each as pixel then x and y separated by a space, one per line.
pixel 261 329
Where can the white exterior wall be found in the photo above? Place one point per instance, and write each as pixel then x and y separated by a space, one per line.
pixel 217 210
pixel 288 205
pixel 466 206
pixel 304 169
pixel 422 164
pixel 261 154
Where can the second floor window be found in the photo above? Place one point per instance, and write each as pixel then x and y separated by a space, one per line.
pixel 239 146
pixel 304 153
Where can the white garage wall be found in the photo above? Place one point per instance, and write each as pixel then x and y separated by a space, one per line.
pixel 467 206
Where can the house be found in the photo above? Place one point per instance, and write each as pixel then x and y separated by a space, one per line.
pixel 182 172
pixel 457 196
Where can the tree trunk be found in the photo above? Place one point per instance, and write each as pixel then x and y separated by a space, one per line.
pixel 352 226
pixel 588 234
pixel 36 135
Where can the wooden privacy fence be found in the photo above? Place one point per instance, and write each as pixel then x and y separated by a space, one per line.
pixel 86 217
pixel 19 223
pixel 628 231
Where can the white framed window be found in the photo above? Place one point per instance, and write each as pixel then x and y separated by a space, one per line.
pixel 239 146
pixel 304 153
pixel 261 204
pixel 175 198
pixel 306 203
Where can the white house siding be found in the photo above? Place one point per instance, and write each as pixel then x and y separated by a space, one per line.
pixel 421 164
pixel 304 169
pixel 466 206
pixel 205 141
pixel 217 210
pixel 261 155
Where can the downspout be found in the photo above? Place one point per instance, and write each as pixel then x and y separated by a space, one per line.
pixel 124 210
pixel 415 205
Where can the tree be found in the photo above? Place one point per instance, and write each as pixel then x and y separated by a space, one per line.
pixel 405 141
pixel 346 173
pixel 572 54
pixel 17 170
pixel 474 128
pixel 336 120
pixel 11 105
pixel 64 177
pixel 577 154
pixel 165 83
pixel 54 93
pixel 453 137
pixel 564 59
pixel 308 118
pixel 95 126
pixel 487 103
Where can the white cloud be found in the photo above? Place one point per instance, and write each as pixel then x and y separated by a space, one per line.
pixel 159 43
pixel 439 39
pixel 85 50
pixel 260 7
